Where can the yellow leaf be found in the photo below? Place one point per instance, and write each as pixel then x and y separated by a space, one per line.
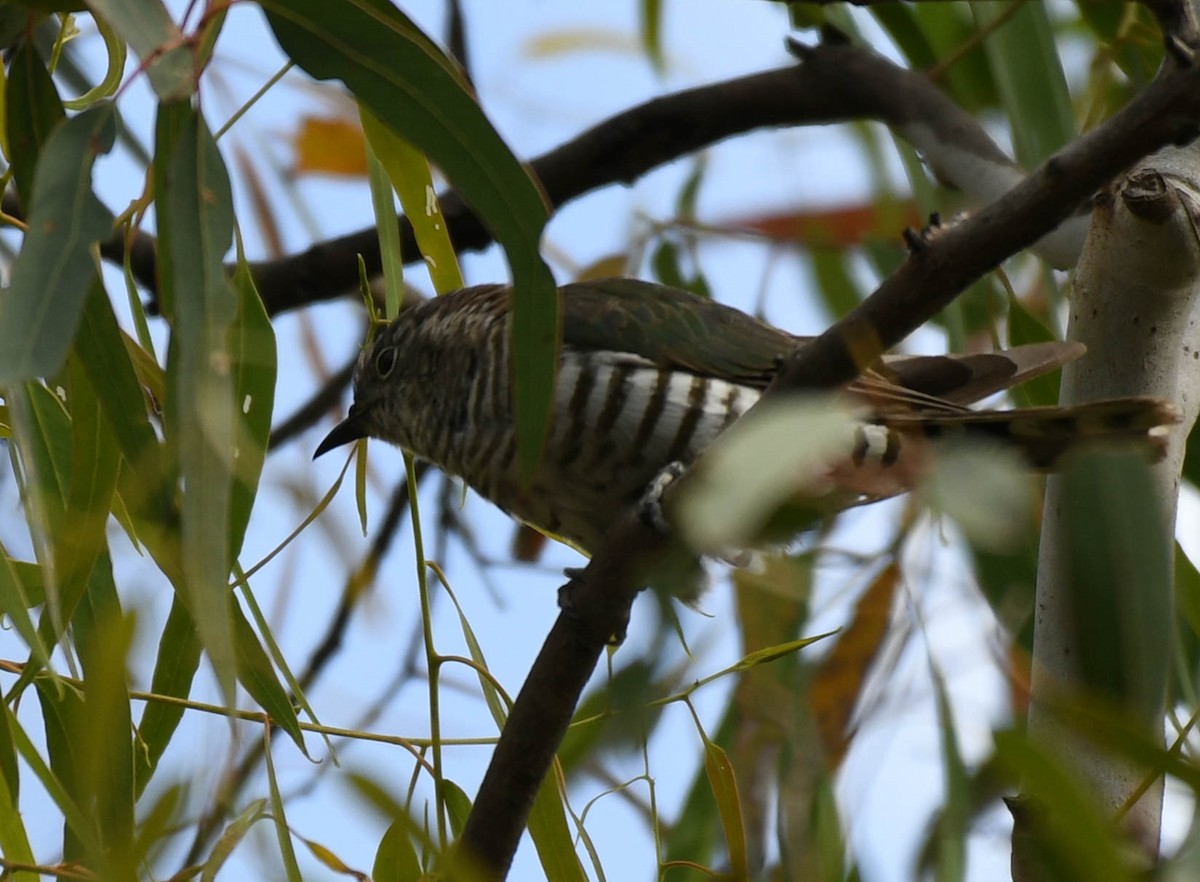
pixel 329 146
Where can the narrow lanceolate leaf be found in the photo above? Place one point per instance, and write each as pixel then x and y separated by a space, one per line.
pixel 33 109
pixel 196 229
pixel 279 818
pixel 651 14
pixel 725 791
pixel 232 837
pixel 103 735
pixel 43 434
pixel 458 807
pixel 10 776
pixel 551 836
pixel 404 80
pixel 50 277
pixel 15 604
pixel 61 710
pixel 174 669
pixel 14 842
pixel 952 824
pixel 144 488
pixel 257 675
pixel 252 345
pixel 408 171
pixel 160 44
pixel 1119 557
pixel 94 461
pixel 387 228
pixel 1029 77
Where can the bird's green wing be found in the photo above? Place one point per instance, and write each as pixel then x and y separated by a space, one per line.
pixel 672 328
pixel 677 329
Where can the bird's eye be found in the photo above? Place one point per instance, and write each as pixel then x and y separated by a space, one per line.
pixel 385 361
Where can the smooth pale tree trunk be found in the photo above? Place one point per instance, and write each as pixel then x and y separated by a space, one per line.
pixel 1133 305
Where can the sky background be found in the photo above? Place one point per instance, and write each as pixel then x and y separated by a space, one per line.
pixel 544 72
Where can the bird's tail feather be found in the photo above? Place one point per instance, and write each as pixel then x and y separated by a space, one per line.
pixel 1044 435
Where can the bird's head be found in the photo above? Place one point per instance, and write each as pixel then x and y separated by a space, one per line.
pixel 390 372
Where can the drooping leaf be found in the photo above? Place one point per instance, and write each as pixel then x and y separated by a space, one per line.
pixel 42 432
pixel 952 833
pixel 458 807
pixel 723 782
pixel 94 461
pixel 50 277
pixel 1119 561
pixel 33 109
pixel 15 603
pixel 196 229
pixel 387 229
pixel 759 466
pixel 252 347
pixel 409 173
pixel 102 737
pixel 144 484
pixel 258 677
pixel 650 18
pixel 14 840
pixel 62 709
pixel 929 32
pixel 1029 77
pixel 283 833
pixel 174 669
pixel 551 836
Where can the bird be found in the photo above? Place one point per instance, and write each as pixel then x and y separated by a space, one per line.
pixel 649 375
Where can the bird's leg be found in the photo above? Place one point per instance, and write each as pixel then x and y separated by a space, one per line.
pixel 650 508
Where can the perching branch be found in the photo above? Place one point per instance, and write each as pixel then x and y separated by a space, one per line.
pixel 943 265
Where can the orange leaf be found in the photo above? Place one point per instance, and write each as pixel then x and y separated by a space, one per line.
pixel 839 680
pixel 833 227
pixel 329 146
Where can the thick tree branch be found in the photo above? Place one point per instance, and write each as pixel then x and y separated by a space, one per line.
pixel 1167 112
pixel 833 83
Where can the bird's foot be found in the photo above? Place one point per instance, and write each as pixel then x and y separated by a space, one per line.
pixel 650 507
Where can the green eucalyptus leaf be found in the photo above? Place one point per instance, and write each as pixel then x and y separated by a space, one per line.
pixel 50 277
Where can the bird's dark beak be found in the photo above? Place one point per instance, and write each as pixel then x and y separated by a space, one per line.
pixel 353 427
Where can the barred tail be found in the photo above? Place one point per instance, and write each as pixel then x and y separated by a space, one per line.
pixel 1044 435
